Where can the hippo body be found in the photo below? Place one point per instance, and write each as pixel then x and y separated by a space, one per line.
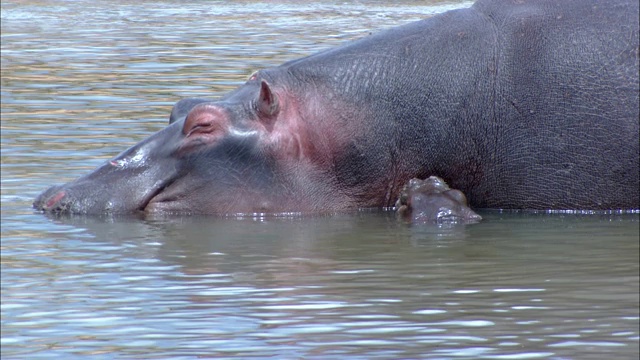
pixel 433 201
pixel 519 104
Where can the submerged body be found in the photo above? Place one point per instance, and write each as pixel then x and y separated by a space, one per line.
pixel 523 105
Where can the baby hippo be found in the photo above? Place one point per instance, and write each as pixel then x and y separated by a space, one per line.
pixel 432 201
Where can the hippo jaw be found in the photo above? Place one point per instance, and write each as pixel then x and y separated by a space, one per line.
pixel 118 191
pixel 67 199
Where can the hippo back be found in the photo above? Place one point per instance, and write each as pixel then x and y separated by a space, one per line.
pixel 566 101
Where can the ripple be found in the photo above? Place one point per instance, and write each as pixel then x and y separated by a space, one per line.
pixel 586 343
pixel 83 80
pixel 429 312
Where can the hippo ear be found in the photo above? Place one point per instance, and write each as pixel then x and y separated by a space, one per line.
pixel 267 104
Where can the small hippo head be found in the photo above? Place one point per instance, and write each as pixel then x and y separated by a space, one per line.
pixel 433 201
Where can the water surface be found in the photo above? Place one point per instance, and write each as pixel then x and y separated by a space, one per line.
pixel 83 80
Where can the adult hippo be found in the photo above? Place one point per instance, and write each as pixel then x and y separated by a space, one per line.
pixel 520 104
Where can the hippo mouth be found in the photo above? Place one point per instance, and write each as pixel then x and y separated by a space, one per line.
pixel 149 199
pixel 157 199
pixel 70 199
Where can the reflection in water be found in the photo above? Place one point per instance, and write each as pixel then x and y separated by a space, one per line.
pixel 81 81
pixel 327 286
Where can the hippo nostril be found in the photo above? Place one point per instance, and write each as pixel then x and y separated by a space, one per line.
pixel 59 202
pixel 54 199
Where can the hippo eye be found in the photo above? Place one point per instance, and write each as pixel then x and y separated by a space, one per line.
pixel 205 129
pixel 253 76
pixel 205 120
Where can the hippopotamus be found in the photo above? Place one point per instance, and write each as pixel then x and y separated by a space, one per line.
pixel 433 201
pixel 523 104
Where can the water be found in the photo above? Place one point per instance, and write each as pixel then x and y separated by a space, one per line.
pixel 83 80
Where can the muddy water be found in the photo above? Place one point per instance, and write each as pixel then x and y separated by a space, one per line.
pixel 83 80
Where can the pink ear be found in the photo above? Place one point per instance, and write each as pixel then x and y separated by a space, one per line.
pixel 267 103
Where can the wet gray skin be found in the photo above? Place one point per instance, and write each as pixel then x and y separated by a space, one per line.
pixel 519 105
pixel 433 201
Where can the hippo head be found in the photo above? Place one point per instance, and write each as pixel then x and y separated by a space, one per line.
pixel 247 152
pixel 433 201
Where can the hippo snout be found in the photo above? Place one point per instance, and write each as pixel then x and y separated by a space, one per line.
pixel 70 199
pixel 64 199
pixel 55 200
pixel 87 196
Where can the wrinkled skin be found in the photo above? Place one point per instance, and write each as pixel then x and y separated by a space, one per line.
pixel 519 104
pixel 433 201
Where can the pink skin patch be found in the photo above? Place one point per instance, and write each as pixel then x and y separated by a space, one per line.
pixel 54 200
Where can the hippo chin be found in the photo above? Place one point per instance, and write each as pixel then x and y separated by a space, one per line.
pixel 433 201
pixel 520 105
